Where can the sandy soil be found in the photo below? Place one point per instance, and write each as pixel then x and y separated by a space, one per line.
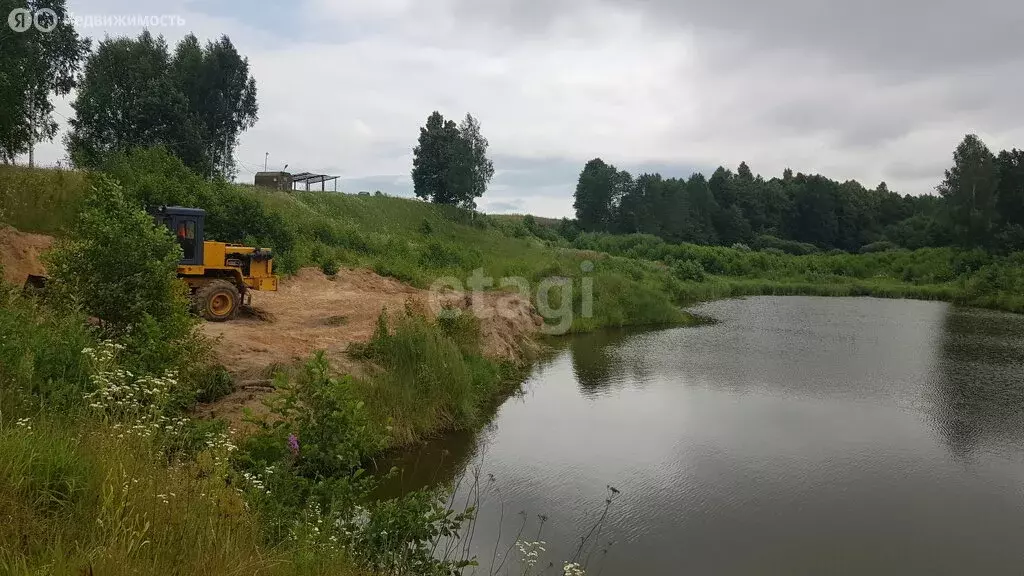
pixel 20 252
pixel 311 311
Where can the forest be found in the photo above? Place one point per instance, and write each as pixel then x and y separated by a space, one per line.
pixel 979 204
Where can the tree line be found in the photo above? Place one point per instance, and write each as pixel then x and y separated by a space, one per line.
pixel 129 93
pixel 980 204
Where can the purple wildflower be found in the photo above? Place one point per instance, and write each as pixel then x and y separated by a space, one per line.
pixel 293 444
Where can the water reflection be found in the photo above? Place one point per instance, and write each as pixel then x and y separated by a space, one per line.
pixel 597 363
pixel 978 399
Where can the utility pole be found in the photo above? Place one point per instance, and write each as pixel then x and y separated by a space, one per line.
pixel 31 132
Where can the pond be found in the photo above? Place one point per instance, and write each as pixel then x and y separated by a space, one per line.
pixel 796 436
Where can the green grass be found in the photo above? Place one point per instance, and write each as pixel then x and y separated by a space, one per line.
pixel 430 375
pixel 79 496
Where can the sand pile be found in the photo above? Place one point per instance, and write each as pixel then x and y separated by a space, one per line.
pixel 20 254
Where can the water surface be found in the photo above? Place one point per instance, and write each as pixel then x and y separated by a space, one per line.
pixel 797 436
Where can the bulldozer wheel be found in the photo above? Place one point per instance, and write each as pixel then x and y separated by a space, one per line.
pixel 218 301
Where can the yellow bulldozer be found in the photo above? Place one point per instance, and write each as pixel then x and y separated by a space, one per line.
pixel 220 276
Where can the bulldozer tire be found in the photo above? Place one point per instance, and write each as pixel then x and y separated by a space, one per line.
pixel 218 301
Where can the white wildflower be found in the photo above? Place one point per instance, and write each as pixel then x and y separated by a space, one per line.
pixel 573 569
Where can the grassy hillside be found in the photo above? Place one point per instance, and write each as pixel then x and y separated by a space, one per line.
pixel 413 241
pixel 39 200
pixel 637 279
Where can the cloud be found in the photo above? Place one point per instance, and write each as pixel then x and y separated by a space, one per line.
pixel 864 90
pixel 910 36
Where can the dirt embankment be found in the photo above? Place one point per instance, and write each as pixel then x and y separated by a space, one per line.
pixel 311 311
pixel 20 254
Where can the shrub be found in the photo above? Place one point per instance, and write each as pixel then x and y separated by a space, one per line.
pixel 326 417
pixel 688 270
pixel 304 472
pixel 568 229
pixel 967 262
pixel 212 383
pixel 118 265
pixel 437 254
pixel 397 269
pixel 235 215
pixel 152 177
pixel 329 267
pixel 333 234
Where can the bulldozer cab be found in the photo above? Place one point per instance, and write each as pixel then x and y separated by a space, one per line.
pixel 187 226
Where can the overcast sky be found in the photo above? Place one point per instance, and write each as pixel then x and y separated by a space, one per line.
pixel 869 89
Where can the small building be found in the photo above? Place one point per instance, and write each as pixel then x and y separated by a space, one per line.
pixel 275 180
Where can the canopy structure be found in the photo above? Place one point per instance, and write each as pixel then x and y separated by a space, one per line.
pixel 310 178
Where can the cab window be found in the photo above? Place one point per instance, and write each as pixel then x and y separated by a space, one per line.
pixel 187 238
